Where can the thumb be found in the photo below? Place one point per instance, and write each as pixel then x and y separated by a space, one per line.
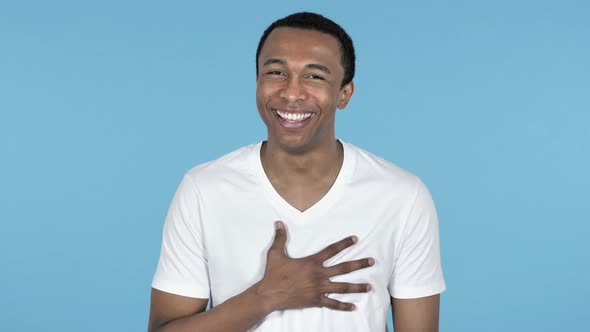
pixel 280 240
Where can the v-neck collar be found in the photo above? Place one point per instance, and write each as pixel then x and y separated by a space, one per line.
pixel 284 207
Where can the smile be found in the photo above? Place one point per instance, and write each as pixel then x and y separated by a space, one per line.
pixel 291 116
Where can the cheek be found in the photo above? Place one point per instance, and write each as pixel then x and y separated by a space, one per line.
pixel 263 92
pixel 328 100
pixel 327 94
pixel 260 96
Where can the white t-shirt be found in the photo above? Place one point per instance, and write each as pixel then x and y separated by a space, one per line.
pixel 221 223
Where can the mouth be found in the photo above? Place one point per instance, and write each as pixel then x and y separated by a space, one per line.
pixel 293 119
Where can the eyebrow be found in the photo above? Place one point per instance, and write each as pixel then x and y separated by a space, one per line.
pixel 319 67
pixel 284 63
pixel 274 61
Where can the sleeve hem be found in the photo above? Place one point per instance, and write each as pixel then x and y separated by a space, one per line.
pixel 179 289
pixel 417 292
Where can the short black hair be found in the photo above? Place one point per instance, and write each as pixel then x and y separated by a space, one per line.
pixel 317 22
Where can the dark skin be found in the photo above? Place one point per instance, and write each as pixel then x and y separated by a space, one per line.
pixel 300 73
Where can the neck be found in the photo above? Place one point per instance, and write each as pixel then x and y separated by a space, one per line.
pixel 320 165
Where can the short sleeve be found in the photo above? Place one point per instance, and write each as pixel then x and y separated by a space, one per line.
pixel 417 270
pixel 182 268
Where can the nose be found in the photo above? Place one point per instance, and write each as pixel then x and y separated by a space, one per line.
pixel 293 91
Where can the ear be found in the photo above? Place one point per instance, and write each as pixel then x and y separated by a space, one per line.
pixel 345 94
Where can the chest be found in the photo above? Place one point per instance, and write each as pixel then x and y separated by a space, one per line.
pixel 238 236
pixel 302 198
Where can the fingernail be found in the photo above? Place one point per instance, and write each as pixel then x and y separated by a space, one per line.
pixel 368 288
pixel 278 225
pixel 352 307
pixel 371 261
pixel 354 239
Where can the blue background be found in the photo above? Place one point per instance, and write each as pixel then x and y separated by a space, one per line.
pixel 105 104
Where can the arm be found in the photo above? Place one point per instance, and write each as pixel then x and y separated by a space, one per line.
pixel 416 315
pixel 170 312
pixel 165 307
pixel 287 283
pixel 417 280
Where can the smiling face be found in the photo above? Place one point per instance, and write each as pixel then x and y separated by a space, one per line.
pixel 298 88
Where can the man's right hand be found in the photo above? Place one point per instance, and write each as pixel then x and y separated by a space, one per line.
pixel 304 282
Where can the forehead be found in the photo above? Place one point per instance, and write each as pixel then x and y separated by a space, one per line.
pixel 301 44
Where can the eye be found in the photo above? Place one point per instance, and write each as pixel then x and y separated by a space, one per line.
pixel 274 73
pixel 315 77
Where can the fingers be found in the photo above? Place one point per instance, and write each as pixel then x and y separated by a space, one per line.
pixel 347 267
pixel 336 305
pixel 345 288
pixel 335 248
pixel 280 240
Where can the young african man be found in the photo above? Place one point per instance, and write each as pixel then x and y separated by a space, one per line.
pixel 300 232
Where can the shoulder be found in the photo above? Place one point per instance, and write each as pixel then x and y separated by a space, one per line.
pixel 238 163
pixel 376 171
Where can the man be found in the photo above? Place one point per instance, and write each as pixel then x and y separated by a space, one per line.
pixel 356 233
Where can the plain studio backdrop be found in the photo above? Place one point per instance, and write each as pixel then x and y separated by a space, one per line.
pixel 105 104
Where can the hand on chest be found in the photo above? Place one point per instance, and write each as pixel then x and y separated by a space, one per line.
pixel 239 241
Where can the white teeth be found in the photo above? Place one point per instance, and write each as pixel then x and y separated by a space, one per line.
pixel 293 116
